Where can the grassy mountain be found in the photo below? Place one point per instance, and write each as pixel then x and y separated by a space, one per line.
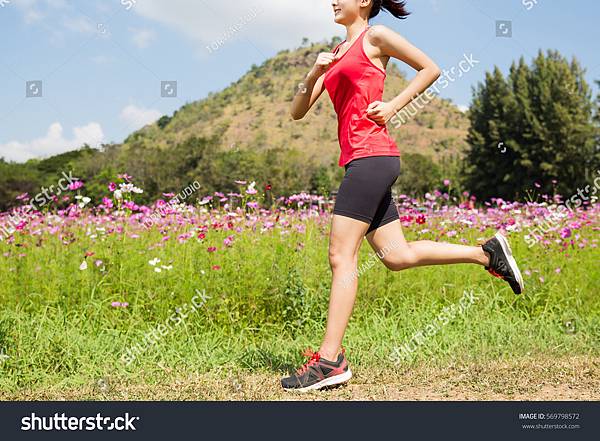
pixel 253 112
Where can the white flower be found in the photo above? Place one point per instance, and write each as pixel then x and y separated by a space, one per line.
pixel 83 266
pixel 84 201
pixel 167 267
pixel 158 270
pixel 118 194
pixel 137 190
pixel 154 262
pixel 125 187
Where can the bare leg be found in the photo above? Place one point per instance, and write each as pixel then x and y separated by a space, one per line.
pixel 398 254
pixel 344 242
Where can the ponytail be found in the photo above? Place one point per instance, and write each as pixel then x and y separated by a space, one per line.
pixel 395 7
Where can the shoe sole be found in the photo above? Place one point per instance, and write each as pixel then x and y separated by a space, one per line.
pixel 331 381
pixel 511 260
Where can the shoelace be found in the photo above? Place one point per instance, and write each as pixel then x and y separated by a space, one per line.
pixel 314 358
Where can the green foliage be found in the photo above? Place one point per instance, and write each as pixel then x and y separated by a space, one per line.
pixel 542 115
pixel 418 174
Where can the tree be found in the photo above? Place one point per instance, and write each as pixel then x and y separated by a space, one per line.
pixel 534 126
pixel 418 174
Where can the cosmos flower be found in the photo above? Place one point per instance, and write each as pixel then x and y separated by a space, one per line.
pixel 75 185
pixel 251 189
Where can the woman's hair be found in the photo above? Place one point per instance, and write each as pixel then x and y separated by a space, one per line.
pixel 395 7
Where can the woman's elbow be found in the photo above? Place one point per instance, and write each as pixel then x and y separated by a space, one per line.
pixel 436 71
pixel 296 115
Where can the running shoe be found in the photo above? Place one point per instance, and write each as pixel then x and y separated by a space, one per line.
pixel 317 373
pixel 502 263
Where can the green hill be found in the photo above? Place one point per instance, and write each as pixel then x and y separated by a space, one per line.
pixel 253 113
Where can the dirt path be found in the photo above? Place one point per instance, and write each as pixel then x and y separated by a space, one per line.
pixel 574 378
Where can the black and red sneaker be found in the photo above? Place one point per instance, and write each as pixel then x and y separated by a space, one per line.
pixel 317 373
pixel 502 263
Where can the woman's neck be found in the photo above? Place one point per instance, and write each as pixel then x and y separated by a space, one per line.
pixel 354 30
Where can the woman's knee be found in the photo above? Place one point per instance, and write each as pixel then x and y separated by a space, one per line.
pixel 400 260
pixel 341 259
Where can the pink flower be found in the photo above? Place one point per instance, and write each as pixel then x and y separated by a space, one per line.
pixel 557 270
pixel 107 202
pixel 75 185
pixel 565 232
pixel 420 219
pixel 98 263
pixel 201 236
pixel 216 267
pixel 537 185
pixel 112 186
pixel 211 249
pixel 228 241
pixel 23 197
pixel 446 182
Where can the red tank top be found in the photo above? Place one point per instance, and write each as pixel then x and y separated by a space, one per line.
pixel 353 82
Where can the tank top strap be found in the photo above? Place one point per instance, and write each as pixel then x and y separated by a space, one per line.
pixel 361 37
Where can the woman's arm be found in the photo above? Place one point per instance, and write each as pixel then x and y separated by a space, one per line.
pixel 392 44
pixel 312 87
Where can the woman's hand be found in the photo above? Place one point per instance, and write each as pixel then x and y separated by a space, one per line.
pixel 380 112
pixel 322 64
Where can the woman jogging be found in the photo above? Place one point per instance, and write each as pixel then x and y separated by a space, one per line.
pixel 353 75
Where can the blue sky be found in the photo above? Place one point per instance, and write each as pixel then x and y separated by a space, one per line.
pixel 101 63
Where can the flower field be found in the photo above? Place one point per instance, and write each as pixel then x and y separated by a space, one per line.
pixel 119 299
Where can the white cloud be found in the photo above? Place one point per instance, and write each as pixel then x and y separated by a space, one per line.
pixel 142 37
pixel 32 8
pixel 462 108
pixel 53 142
pixel 137 117
pixel 79 24
pixel 275 23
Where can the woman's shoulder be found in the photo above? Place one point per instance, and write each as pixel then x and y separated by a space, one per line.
pixel 379 33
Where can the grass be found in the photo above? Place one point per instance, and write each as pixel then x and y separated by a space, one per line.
pixel 266 303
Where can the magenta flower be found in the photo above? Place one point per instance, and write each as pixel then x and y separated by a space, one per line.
pixel 75 185
pixel 446 182
pixel 23 197
pixel 565 233
pixel 112 187
pixel 211 249
pixel 216 267
pixel 107 202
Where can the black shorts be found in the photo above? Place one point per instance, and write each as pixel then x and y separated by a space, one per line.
pixel 365 193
